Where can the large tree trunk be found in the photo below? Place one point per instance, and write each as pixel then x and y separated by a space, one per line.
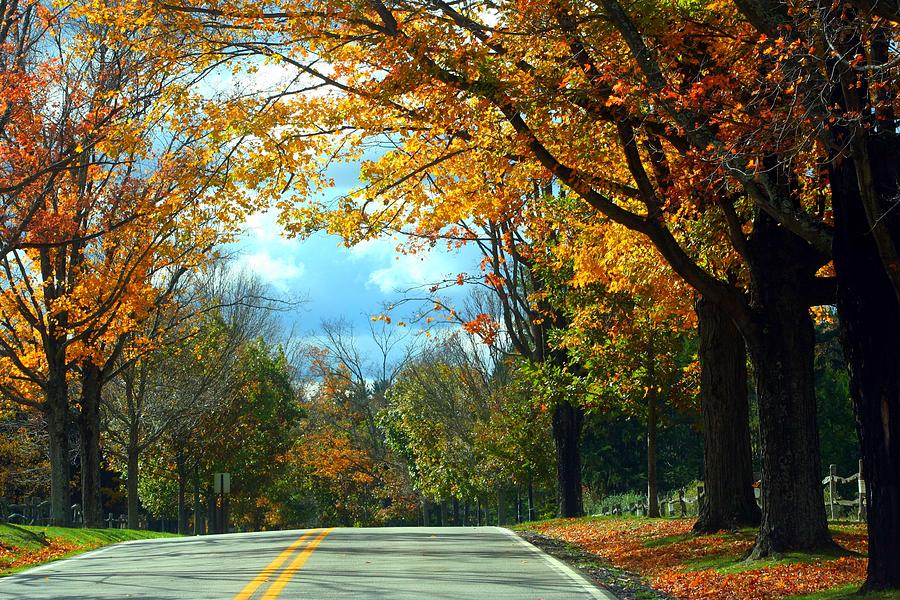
pixel 866 242
pixel 781 347
pixel 567 422
pixel 132 485
pixel 870 322
pixel 57 414
pixel 89 436
pixel 728 501
pixel 870 327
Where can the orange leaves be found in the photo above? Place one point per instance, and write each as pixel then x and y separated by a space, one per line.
pixel 334 458
pixel 663 552
pixel 484 326
pixel 768 582
pixel 11 556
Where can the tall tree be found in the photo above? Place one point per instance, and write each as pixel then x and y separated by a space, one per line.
pixel 520 114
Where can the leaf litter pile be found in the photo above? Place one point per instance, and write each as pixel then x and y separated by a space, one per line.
pixel 667 556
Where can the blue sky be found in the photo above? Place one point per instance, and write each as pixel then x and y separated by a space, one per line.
pixel 335 281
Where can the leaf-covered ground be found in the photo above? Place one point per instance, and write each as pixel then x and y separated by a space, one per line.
pixel 23 546
pixel 668 557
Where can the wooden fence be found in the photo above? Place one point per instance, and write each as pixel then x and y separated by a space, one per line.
pixel 833 500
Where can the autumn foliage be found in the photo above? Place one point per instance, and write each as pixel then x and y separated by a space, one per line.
pixel 667 555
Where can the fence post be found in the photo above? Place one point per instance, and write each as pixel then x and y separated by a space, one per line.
pixel 861 515
pixel 832 487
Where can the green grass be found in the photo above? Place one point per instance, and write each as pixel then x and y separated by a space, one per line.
pixel 26 539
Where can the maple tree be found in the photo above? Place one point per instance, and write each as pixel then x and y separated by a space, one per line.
pixel 694 132
pixel 342 459
pixel 106 222
pixel 514 270
pixel 468 425
pixel 523 113
pixel 840 60
pixel 212 396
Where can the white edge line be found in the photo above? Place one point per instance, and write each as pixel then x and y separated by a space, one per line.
pixel 563 568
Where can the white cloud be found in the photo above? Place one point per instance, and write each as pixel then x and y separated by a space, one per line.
pixel 277 271
pixel 410 270
pixel 378 249
pixel 271 75
pixel 262 228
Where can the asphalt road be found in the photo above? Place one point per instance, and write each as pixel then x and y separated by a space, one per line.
pixel 484 563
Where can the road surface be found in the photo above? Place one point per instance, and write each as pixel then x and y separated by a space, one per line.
pixel 484 563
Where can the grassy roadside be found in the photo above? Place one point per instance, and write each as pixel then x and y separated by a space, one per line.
pixel 666 556
pixel 24 546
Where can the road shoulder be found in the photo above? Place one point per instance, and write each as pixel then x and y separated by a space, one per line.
pixel 616 582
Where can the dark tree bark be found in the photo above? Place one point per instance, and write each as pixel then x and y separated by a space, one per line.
pixel 56 411
pixel 781 346
pixel 181 468
pixel 198 509
pixel 870 323
pixel 567 423
pixel 212 512
pixel 89 439
pixel 728 501
pixel 867 300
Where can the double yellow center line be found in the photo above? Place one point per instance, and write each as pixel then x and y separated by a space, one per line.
pixel 288 573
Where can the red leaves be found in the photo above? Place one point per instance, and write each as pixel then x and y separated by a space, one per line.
pixel 485 327
pixel 666 554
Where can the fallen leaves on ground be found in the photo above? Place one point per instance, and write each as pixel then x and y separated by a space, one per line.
pixel 12 557
pixel 666 554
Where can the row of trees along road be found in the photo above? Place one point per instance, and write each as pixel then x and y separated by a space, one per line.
pixel 751 146
pixel 748 148
pixel 114 187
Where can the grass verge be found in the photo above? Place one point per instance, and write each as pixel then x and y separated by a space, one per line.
pixel 664 555
pixel 25 546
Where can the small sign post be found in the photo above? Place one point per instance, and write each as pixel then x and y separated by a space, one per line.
pixel 222 483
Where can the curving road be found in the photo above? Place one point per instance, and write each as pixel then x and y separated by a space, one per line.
pixel 391 563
